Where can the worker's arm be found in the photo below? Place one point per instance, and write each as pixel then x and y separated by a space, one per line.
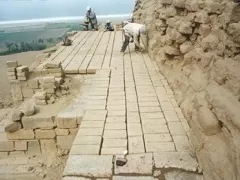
pixel 136 40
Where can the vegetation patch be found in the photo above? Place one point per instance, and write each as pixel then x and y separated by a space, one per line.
pixel 33 37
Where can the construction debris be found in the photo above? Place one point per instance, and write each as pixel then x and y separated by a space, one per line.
pixel 121 161
pixel 16 115
pixel 28 108
pixel 40 98
pixel 13 126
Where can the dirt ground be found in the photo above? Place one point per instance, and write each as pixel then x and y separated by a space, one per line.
pixel 33 167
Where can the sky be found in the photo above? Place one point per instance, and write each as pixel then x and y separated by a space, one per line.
pixel 36 9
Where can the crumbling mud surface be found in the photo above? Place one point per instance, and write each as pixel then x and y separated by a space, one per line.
pixel 196 45
pixel 32 167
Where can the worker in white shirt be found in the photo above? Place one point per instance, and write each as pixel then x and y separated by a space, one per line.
pixel 134 31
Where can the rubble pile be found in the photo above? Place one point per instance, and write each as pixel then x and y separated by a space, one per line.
pixel 40 98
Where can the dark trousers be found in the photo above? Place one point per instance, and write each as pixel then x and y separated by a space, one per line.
pixel 136 47
pixel 110 28
pixel 126 42
pixel 92 25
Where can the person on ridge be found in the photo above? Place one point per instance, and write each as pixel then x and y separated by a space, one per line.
pixel 108 26
pixel 91 18
pixel 67 41
pixel 133 31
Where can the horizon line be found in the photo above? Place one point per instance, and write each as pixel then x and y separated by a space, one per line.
pixel 65 18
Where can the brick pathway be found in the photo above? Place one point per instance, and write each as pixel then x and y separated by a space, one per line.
pixel 89 52
pixel 129 106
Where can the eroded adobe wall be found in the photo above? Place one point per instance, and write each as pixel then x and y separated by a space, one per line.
pixel 196 44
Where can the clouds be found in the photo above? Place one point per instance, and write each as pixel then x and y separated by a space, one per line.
pixel 25 9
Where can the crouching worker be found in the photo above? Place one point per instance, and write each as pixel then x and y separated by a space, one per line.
pixel 108 26
pixel 67 41
pixel 133 31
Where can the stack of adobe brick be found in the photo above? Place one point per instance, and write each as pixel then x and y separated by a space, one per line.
pixel 55 69
pixel 49 88
pixel 22 73
pixel 16 71
pixel 11 70
pixel 49 85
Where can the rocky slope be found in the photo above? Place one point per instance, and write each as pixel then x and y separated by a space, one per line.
pixel 196 44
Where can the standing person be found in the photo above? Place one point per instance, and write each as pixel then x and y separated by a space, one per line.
pixel 92 19
pixel 108 26
pixel 134 31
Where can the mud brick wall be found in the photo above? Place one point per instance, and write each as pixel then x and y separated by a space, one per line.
pixel 196 45
pixel 23 86
pixel 41 135
pixel 23 90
